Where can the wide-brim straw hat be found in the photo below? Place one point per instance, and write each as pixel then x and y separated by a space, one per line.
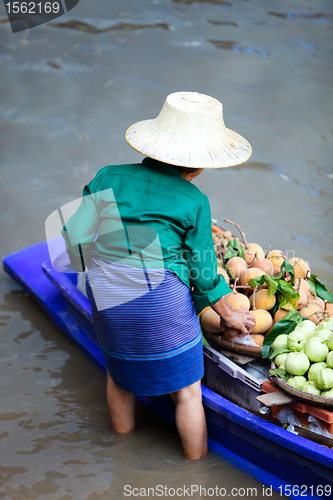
pixel 189 132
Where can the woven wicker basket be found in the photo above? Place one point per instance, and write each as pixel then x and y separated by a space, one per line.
pixel 217 340
pixel 303 396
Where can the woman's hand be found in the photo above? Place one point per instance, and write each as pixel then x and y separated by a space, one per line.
pixel 241 320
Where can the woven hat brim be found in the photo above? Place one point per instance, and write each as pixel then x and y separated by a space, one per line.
pixel 229 151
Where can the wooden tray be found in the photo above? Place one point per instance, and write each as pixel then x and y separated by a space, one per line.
pixel 217 340
pixel 297 393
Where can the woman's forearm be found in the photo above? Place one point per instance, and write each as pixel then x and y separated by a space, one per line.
pixel 222 309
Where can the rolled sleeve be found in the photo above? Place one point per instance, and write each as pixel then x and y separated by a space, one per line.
pixel 202 300
pixel 207 285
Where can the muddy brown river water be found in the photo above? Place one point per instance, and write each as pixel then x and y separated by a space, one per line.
pixel 69 91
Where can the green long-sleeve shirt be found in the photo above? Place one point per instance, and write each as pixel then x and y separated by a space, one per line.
pixel 147 215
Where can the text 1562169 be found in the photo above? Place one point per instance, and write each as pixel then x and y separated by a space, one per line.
pixel 32 7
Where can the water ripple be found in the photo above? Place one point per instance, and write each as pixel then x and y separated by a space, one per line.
pixel 234 47
pixel 54 65
pixel 212 2
pixel 301 239
pixel 222 23
pixel 90 28
pixel 306 15
pixel 307 45
pixel 283 174
pixel 326 172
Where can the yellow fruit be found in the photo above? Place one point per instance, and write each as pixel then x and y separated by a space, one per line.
pixel 257 338
pixel 229 333
pixel 253 252
pixel 236 265
pixel 263 320
pixel 224 273
pixel 263 300
pixel 237 301
pixel 329 308
pixel 316 301
pixel 265 265
pixel 312 312
pixel 300 267
pixel 210 321
pixel 280 313
pixel 248 274
pixel 226 336
pixel 276 257
pixel 271 328
pixel 227 235
pixel 304 286
pixel 201 313
pixel 302 299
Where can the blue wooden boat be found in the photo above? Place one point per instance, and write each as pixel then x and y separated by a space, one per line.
pixel 291 464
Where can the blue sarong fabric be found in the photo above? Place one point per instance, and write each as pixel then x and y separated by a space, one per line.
pixel 147 327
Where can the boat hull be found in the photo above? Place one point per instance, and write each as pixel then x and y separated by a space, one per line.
pixel 271 454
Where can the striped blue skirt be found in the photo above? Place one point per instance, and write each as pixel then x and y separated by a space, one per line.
pixel 147 327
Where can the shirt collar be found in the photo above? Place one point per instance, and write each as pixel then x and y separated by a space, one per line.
pixel 158 165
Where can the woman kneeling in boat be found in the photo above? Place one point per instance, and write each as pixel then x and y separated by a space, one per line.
pixel 144 233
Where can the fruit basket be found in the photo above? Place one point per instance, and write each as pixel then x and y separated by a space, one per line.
pixel 218 341
pixel 279 292
pixel 301 395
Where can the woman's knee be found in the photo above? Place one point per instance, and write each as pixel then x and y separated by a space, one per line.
pixel 190 393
